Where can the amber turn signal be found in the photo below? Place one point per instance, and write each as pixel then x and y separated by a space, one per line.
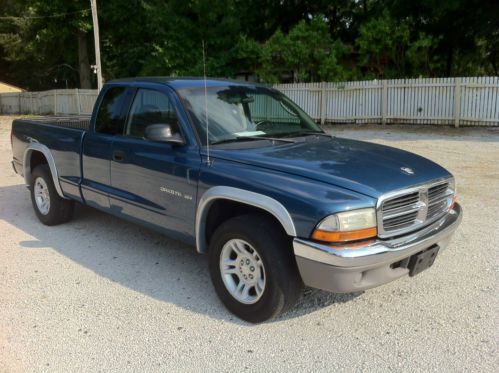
pixel 345 236
pixel 454 200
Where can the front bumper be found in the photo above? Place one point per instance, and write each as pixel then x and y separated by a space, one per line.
pixel 349 269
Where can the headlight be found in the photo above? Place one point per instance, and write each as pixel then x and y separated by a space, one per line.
pixel 452 186
pixel 452 190
pixel 347 226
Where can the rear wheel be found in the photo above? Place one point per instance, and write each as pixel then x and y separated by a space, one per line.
pixel 253 268
pixel 49 207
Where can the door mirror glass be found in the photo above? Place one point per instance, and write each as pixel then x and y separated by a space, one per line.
pixel 162 133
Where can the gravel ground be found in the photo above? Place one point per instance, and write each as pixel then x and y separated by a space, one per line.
pixel 100 294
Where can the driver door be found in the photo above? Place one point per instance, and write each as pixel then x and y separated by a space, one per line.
pixel 154 182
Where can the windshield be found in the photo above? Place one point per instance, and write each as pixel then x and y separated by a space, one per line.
pixel 244 113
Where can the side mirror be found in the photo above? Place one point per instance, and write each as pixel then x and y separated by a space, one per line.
pixel 162 133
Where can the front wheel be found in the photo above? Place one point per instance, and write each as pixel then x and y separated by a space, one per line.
pixel 253 268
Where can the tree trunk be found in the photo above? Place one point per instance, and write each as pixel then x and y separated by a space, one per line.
pixel 83 62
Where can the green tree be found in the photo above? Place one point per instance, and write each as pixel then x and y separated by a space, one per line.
pixel 464 31
pixel 382 44
pixel 307 52
pixel 181 26
pixel 47 44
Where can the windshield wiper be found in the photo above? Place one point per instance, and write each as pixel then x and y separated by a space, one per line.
pixel 250 138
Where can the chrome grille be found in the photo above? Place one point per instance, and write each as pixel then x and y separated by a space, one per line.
pixel 410 209
pixel 401 202
pixel 400 221
pixel 438 200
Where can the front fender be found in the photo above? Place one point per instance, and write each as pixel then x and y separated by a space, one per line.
pixel 297 202
pixel 243 196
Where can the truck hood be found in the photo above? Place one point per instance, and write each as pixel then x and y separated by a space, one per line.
pixel 360 166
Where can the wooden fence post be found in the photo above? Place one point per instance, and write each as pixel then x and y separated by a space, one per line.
pixel 55 101
pixel 323 103
pixel 457 102
pixel 78 101
pixel 384 102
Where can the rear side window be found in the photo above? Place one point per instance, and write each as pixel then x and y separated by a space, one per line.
pixel 110 115
pixel 150 107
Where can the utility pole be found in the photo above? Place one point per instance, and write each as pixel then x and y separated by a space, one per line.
pixel 97 66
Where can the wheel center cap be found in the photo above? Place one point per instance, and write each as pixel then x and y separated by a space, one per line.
pixel 247 269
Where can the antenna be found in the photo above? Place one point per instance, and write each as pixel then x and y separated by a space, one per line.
pixel 208 160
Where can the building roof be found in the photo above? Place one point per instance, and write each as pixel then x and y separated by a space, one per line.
pixel 4 88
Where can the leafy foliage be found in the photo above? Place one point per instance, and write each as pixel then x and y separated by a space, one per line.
pixel 50 43
pixel 307 51
pixel 35 48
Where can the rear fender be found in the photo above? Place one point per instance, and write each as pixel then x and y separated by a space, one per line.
pixel 37 147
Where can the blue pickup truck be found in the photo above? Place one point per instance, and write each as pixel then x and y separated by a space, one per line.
pixel 243 174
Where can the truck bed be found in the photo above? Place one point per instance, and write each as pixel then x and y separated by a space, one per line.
pixel 60 137
pixel 81 122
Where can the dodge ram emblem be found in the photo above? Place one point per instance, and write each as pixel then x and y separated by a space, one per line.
pixel 407 170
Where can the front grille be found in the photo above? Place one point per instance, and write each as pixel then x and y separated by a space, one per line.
pixel 407 210
pixel 401 202
pixel 437 191
pixel 400 221
pixel 438 200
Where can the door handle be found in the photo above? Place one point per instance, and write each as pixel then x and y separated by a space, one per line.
pixel 118 156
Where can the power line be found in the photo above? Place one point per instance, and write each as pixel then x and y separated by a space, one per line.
pixel 47 16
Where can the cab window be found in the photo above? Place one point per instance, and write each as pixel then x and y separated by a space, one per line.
pixel 110 117
pixel 150 107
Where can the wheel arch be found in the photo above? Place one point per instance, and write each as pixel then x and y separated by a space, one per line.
pixel 254 201
pixel 40 150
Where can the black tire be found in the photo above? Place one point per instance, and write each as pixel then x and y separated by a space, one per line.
pixel 283 283
pixel 60 210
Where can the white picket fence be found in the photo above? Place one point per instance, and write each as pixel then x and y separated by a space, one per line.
pixel 455 101
pixel 448 101
pixel 56 101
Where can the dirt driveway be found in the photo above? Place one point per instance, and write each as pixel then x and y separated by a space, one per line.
pixel 101 294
